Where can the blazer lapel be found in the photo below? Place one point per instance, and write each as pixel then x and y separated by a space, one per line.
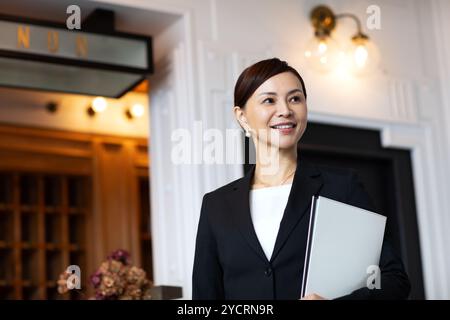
pixel 307 182
pixel 239 202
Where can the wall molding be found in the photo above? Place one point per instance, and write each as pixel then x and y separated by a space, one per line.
pixel 402 102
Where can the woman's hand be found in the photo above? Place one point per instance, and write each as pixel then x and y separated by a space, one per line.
pixel 313 296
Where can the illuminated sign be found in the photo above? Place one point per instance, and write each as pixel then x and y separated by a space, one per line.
pixel 48 57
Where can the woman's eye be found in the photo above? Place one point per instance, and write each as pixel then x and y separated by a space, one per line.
pixel 268 100
pixel 296 99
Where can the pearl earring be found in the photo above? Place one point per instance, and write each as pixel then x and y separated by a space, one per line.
pixel 247 133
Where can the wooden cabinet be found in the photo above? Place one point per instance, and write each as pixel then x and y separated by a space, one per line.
pixel 68 198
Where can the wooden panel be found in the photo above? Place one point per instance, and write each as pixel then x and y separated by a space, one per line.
pixel 133 198
pixel 117 201
pixel 113 195
pixel 41 266
pixel 141 159
pixel 17 236
pixel 44 220
pixel 11 160
pixel 66 135
pixel 65 229
pixel 145 227
pixel 40 145
pixel 67 198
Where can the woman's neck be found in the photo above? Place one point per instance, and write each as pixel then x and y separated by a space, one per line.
pixel 275 167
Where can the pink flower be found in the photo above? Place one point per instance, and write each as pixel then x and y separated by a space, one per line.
pixel 120 255
pixel 96 279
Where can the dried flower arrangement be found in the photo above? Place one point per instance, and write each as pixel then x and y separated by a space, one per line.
pixel 115 279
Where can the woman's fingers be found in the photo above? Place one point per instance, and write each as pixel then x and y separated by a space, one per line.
pixel 313 296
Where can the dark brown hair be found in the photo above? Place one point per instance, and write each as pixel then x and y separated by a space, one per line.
pixel 255 75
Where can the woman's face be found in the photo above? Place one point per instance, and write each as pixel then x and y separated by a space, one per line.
pixel 276 113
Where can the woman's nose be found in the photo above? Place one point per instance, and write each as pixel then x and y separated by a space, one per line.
pixel 284 110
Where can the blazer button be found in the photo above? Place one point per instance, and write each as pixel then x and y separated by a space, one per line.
pixel 268 272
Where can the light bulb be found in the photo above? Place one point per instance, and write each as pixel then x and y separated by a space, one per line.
pixel 363 55
pixel 137 110
pixel 322 53
pixel 99 104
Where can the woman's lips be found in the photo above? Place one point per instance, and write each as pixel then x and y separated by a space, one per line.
pixel 285 129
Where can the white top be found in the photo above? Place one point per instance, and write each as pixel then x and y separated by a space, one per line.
pixel 267 207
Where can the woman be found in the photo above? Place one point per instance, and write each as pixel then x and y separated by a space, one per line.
pixel 252 232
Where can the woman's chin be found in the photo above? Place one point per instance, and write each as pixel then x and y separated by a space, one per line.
pixel 283 143
pixel 286 144
pixel 285 147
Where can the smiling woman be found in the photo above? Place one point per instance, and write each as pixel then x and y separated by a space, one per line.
pixel 252 233
pixel 274 115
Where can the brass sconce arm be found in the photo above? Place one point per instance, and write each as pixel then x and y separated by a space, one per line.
pixel 324 20
pixel 354 18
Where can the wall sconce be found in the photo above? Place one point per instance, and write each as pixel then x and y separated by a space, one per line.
pixel 98 105
pixel 323 53
pixel 136 111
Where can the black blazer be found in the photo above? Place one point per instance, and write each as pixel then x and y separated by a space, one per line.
pixel 230 263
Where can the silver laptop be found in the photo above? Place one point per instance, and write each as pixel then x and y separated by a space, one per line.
pixel 343 248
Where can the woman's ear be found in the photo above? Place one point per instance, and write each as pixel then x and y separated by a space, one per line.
pixel 240 116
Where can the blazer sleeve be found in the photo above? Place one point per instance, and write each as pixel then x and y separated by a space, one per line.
pixel 394 280
pixel 207 276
